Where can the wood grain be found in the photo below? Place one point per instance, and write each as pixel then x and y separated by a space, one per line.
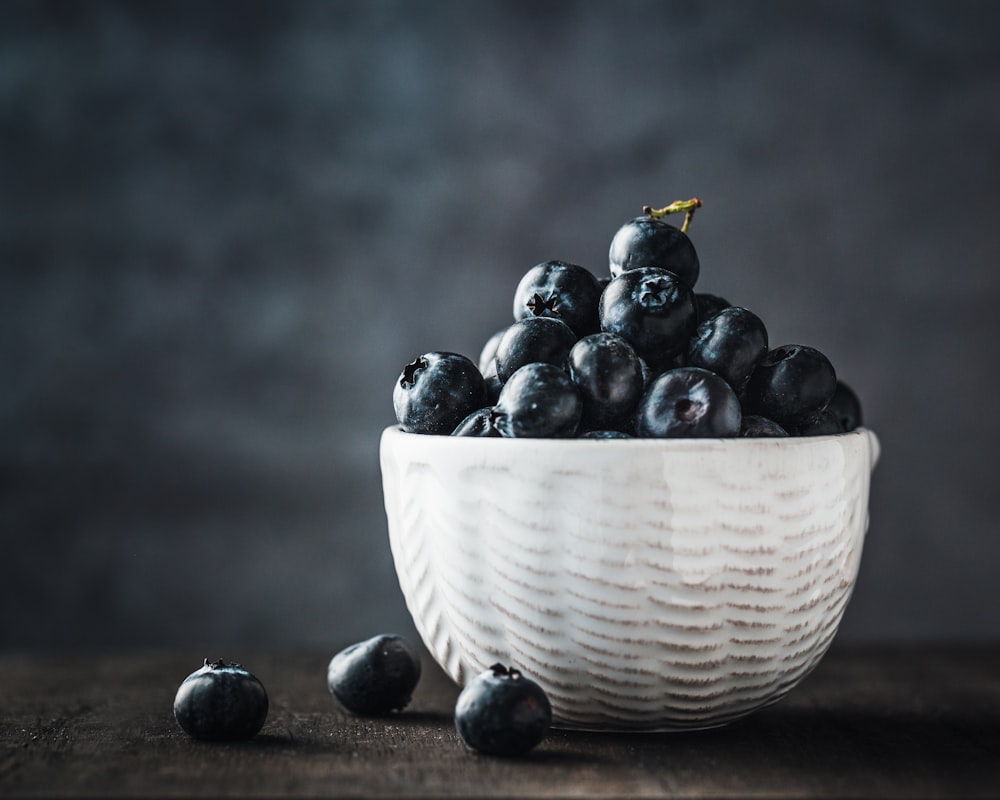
pixel 907 722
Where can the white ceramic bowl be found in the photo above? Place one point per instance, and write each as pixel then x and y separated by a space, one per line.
pixel 646 584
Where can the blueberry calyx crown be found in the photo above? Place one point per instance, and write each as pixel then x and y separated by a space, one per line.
pixel 410 371
pixel 501 671
pixel 220 664
pixel 538 305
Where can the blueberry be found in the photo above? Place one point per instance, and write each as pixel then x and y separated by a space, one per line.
pixel 539 401
pixel 477 424
pixel 792 385
pixel 648 242
pixel 846 406
pixel 608 374
pixel 534 339
pixel 436 391
pixel 690 402
pixel 826 424
pixel 730 344
pixel 756 427
pixel 221 701
pixel 561 290
pixel 709 305
pixel 502 713
pixel 493 382
pixel 375 676
pixel 489 351
pixel 654 311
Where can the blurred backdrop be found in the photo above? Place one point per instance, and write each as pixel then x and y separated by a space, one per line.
pixel 225 227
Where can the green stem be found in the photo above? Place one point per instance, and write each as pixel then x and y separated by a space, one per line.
pixel 676 207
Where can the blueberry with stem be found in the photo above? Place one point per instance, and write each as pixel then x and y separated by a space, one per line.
pixel 501 712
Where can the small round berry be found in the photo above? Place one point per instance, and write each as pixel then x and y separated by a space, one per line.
pixel 489 351
pixel 826 424
pixel 709 305
pixel 791 385
pixel 375 676
pixel 436 391
pixel 688 402
pixel 544 340
pixel 730 344
pixel 560 290
pixel 502 713
pixel 846 406
pixel 648 242
pixel 754 426
pixel 608 374
pixel 221 701
pixel 478 424
pixel 539 401
pixel 654 311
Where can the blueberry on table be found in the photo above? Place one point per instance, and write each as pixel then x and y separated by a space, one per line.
pixel 730 344
pixel 654 311
pixel 375 676
pixel 436 391
pixel 608 374
pixel 502 713
pixel 534 339
pixel 688 402
pixel 648 242
pixel 540 401
pixel 561 290
pixel 221 701
pixel 791 385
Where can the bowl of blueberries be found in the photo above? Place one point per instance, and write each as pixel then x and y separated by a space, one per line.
pixel 632 496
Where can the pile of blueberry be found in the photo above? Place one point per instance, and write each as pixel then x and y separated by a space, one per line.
pixel 636 353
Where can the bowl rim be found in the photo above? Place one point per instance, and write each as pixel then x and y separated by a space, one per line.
pixel 636 442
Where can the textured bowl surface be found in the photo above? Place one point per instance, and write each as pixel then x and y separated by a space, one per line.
pixel 645 584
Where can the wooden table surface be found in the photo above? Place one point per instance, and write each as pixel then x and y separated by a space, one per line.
pixel 881 723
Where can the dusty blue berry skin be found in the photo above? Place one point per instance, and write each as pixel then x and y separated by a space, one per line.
pixel 689 402
pixel 654 311
pixel 534 339
pixel 647 242
pixel 376 676
pixel 609 376
pixel 561 290
pixel 846 406
pixel 757 427
pixel 221 702
pixel 792 385
pixel 436 391
pixel 478 424
pixel 730 344
pixel 502 713
pixel 540 401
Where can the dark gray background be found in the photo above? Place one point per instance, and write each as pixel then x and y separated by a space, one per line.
pixel 224 228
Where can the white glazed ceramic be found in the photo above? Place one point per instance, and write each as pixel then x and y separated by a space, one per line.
pixel 646 584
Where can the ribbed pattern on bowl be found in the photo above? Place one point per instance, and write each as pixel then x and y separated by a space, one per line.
pixel 646 585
